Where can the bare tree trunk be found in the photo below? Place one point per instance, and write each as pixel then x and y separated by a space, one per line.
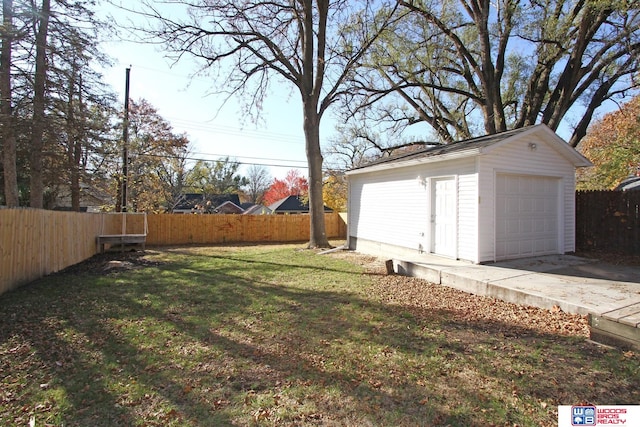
pixel 314 44
pixel 79 141
pixel 118 206
pixel 318 236
pixel 8 132
pixel 37 130
pixel 311 79
pixel 486 71
pixel 74 147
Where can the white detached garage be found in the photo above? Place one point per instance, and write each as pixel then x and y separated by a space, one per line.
pixel 498 197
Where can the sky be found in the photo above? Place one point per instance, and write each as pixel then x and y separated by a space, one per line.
pixel 275 141
pixel 215 133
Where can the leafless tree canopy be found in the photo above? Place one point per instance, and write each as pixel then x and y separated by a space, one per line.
pixel 312 44
pixel 470 67
pixel 258 181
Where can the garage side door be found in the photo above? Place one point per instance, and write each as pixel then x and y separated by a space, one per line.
pixel 527 222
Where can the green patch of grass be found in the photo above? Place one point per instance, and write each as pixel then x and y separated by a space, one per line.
pixel 275 335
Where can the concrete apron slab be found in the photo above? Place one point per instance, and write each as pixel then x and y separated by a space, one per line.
pixel 610 295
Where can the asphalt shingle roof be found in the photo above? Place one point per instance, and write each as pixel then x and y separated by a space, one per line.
pixel 438 149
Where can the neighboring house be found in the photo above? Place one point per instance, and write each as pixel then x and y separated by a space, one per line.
pixel 228 207
pixel 218 199
pixel 91 199
pixel 189 203
pixel 292 205
pixel 497 197
pixel 631 183
pixel 199 203
pixel 257 210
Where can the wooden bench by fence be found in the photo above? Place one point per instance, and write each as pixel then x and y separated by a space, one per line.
pixel 127 234
pixel 121 239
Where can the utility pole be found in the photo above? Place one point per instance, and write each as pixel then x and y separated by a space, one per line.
pixel 125 141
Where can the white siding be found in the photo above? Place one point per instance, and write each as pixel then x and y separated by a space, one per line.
pixel 468 217
pixel 518 157
pixel 392 207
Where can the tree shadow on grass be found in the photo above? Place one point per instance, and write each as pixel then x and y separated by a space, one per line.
pixel 221 345
pixel 83 372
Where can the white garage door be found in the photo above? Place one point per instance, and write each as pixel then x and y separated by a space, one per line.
pixel 526 216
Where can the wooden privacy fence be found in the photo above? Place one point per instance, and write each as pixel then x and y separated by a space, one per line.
pixel 608 221
pixel 34 243
pixel 170 229
pixel 122 223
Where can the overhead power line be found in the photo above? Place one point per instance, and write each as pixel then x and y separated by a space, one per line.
pixel 242 162
pixel 223 129
pixel 250 157
pixel 233 131
pixel 188 126
pixel 233 159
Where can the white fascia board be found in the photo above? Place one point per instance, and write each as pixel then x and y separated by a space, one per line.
pixel 470 152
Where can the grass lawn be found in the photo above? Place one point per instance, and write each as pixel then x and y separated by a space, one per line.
pixel 276 335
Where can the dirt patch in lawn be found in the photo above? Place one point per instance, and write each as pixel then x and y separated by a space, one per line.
pixel 113 262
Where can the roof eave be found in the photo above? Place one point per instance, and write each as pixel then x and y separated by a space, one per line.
pixel 541 130
pixel 562 146
pixel 470 152
pixel 570 153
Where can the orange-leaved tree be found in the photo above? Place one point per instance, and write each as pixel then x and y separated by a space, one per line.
pixel 334 191
pixel 613 146
pixel 293 184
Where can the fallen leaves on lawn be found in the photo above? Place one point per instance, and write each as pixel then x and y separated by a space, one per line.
pixel 424 298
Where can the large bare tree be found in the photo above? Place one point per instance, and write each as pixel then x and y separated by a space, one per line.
pixel 300 42
pixel 470 67
pixel 258 181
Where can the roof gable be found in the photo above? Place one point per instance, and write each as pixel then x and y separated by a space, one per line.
pixel 289 204
pixel 229 207
pixel 257 210
pixel 197 200
pixel 631 183
pixel 474 147
pixel 292 204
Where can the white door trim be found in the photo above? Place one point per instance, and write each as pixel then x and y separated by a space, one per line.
pixel 444 216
